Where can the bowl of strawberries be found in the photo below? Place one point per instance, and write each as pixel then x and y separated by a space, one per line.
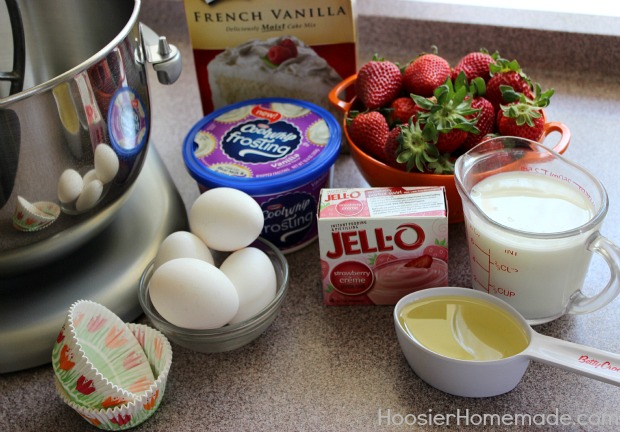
pixel 406 126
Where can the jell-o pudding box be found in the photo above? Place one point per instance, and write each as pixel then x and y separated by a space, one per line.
pixel 379 244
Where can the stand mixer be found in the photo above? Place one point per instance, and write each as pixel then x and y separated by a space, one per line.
pixel 98 254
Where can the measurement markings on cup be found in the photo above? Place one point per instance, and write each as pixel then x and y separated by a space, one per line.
pixel 483 265
pixel 481 272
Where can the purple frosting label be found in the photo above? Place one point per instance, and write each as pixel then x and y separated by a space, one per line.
pixel 261 140
pixel 290 217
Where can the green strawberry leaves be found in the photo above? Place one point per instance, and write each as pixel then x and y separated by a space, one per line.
pixel 451 108
pixel 416 148
pixel 523 109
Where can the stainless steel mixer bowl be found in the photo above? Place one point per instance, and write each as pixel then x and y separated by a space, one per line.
pixel 72 78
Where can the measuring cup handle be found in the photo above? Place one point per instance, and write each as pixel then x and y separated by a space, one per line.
pixel 580 303
pixel 591 362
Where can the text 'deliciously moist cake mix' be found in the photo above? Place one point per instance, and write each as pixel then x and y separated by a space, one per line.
pixel 270 48
pixel 379 244
pixel 278 150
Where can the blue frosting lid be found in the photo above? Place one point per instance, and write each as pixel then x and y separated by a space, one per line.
pixel 262 146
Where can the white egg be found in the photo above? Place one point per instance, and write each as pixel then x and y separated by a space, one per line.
pixel 89 196
pixel 182 244
pixel 193 294
pixel 252 273
pixel 226 219
pixel 106 163
pixel 90 176
pixel 70 185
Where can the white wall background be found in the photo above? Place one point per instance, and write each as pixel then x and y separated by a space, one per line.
pixel 588 7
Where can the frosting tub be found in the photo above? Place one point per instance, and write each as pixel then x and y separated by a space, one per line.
pixel 278 150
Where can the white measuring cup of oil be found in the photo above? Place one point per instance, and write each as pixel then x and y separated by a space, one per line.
pixel 469 343
pixel 532 219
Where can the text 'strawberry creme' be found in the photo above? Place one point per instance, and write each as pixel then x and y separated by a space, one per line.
pixel 379 244
pixel 278 150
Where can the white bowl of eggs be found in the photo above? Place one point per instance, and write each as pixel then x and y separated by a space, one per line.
pixel 218 286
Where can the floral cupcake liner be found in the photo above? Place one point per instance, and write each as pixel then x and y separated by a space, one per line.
pixel 159 353
pixel 97 359
pixel 29 217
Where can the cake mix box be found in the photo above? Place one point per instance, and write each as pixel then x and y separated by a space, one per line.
pixel 379 244
pixel 270 48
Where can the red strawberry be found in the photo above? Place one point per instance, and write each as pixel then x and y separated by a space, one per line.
pixel 382 258
pixel 423 261
pixel 510 126
pixel 390 150
pixel 378 82
pixel 448 117
pixel 511 79
pixel 474 64
pixel 523 118
pixel 438 250
pixel 369 131
pixel 403 108
pixel 505 73
pixel 450 141
pixel 485 123
pixel 278 54
pixel 288 43
pixel 425 73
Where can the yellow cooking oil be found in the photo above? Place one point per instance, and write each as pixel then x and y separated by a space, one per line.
pixel 66 108
pixel 464 328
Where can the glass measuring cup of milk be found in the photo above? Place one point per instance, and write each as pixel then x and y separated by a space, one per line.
pixel 532 220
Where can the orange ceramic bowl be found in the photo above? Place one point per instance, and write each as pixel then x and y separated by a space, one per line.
pixel 379 174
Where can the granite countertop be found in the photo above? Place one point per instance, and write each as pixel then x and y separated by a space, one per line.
pixel 324 368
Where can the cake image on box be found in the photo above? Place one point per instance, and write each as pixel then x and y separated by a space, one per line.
pixel 246 72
